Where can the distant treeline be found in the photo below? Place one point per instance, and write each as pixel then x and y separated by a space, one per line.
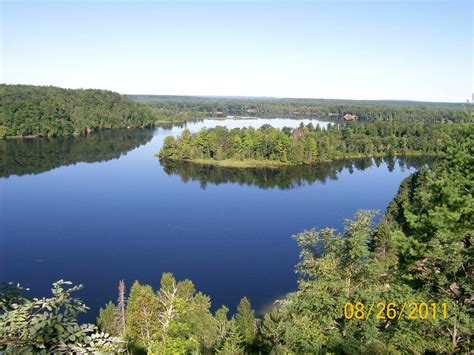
pixel 27 110
pixel 309 144
pixel 33 156
pixel 409 111
pixel 285 177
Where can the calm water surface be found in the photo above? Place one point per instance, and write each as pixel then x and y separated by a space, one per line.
pixel 99 209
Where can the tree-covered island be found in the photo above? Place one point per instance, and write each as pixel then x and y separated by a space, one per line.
pixel 271 147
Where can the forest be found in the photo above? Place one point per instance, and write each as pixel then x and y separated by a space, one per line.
pixel 27 110
pixel 244 147
pixel 31 111
pixel 420 251
pixel 326 109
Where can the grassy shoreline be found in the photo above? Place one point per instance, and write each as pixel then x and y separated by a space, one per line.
pixel 231 163
pixel 274 164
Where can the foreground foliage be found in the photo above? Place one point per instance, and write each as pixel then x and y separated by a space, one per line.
pixel 177 319
pixel 49 325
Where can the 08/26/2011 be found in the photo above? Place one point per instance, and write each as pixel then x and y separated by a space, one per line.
pixel 392 310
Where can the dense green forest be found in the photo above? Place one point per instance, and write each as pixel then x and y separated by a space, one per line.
pixel 421 251
pixel 51 111
pixel 307 144
pixel 27 110
pixel 33 156
pixel 285 177
pixel 409 111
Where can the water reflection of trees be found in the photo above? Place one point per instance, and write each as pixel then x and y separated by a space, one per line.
pixel 287 177
pixel 33 156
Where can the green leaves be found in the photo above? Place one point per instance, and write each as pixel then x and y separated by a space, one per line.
pixel 334 269
pixel 48 323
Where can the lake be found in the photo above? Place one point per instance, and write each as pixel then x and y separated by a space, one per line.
pixel 97 209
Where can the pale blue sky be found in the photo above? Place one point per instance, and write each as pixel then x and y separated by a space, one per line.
pixel 346 50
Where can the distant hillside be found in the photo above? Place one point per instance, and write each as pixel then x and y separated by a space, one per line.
pixel 368 110
pixel 27 110
pixel 452 105
pixel 51 111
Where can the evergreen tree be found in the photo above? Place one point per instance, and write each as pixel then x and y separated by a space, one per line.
pixel 245 321
pixel 202 324
pixel 222 323
pixel 107 319
pixel 142 315
pixel 233 342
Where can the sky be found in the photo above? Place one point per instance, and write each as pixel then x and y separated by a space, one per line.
pixel 401 50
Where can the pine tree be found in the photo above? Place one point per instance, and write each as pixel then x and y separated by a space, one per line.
pixel 202 325
pixel 245 321
pixel 233 342
pixel 107 319
pixel 223 323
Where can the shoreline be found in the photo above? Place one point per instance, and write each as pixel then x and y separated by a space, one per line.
pixel 156 125
pixel 73 135
pixel 274 164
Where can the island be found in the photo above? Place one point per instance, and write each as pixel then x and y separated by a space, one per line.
pixel 307 144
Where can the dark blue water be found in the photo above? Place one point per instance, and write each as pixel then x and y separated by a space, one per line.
pixel 99 209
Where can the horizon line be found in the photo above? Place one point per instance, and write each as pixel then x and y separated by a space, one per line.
pixel 295 98
pixel 263 97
